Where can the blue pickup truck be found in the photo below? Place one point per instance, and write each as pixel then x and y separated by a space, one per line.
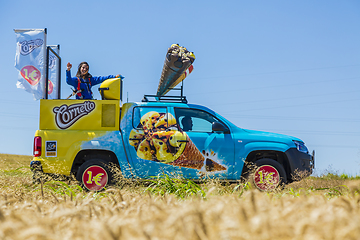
pixel 149 138
pixel 160 135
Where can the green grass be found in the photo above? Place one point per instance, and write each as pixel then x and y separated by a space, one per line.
pixel 15 168
pixel 343 176
pixel 15 165
pixel 179 187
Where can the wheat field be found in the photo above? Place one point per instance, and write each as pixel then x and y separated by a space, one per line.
pixel 326 207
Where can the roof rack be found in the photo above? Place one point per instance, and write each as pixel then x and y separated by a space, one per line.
pixel 159 98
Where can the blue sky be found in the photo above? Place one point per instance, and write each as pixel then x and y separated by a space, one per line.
pixel 290 67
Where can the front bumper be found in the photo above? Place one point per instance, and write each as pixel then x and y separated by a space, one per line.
pixel 300 162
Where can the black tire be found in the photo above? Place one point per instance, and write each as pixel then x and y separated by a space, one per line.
pixel 91 182
pixel 268 175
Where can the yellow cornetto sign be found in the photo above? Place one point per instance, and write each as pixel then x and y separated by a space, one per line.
pixel 79 114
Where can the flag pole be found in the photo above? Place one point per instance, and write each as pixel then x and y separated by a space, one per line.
pixel 47 73
pixel 59 74
pixel 46 65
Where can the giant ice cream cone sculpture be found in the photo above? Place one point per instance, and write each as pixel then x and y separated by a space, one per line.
pixel 178 59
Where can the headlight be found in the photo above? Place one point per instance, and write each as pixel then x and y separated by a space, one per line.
pixel 301 146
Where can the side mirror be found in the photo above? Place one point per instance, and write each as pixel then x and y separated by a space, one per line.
pixel 219 127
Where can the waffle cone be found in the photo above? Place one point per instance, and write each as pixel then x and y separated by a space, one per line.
pixel 212 166
pixel 191 156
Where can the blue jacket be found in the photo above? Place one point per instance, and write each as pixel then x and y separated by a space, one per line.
pixel 85 86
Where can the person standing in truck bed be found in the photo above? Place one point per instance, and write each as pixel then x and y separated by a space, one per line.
pixel 84 80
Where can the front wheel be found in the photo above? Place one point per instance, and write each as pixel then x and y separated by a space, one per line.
pixel 268 175
pixel 95 175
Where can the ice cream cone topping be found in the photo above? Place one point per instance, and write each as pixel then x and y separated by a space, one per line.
pixel 157 138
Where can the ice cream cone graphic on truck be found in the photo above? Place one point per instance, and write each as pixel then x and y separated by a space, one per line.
pixel 158 138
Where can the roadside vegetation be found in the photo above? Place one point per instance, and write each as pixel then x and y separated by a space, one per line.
pixel 323 207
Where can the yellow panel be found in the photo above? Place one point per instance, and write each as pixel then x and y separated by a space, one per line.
pixel 78 114
pixel 114 85
pixel 67 145
pixel 108 115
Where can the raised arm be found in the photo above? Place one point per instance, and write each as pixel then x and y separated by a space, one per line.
pixel 69 80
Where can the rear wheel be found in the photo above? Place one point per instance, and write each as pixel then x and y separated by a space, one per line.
pixel 95 175
pixel 268 174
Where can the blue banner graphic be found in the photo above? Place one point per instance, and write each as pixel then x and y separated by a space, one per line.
pixel 29 59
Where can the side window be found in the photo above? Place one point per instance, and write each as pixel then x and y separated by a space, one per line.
pixel 154 135
pixel 194 124
pixel 194 120
pixel 152 118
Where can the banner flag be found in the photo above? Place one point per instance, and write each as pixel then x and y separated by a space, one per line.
pixel 53 72
pixel 29 60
